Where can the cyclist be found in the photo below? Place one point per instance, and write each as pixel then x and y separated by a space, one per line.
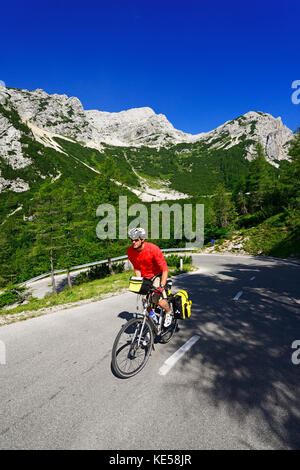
pixel 148 261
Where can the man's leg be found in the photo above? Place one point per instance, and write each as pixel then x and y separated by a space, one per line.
pixel 164 304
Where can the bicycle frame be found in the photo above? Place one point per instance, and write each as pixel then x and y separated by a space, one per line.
pixel 156 328
pixel 145 315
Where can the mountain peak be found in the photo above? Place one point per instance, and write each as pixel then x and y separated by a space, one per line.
pixel 63 115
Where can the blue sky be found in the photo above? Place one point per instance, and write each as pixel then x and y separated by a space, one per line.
pixel 200 63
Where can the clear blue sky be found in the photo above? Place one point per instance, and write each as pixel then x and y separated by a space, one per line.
pixel 200 63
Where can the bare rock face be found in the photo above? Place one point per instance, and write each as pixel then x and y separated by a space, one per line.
pixel 61 115
pixel 257 126
pixel 17 185
pixel 137 126
pixel 48 116
pixel 10 146
pixel 57 114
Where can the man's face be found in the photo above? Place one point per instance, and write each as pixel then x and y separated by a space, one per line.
pixel 136 243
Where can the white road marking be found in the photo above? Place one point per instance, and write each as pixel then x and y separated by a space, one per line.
pixel 238 295
pixel 171 361
pixel 252 278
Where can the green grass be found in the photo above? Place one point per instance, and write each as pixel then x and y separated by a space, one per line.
pixel 277 236
pixel 93 290
pixel 153 183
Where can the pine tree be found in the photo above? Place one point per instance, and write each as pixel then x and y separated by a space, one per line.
pixel 291 176
pixel 258 180
pixel 223 207
pixel 47 227
pixel 73 225
pixel 104 190
pixel 239 197
pixel 6 272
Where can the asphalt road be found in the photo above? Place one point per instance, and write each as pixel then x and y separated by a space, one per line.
pixel 236 388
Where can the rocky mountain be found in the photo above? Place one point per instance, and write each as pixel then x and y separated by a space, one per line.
pixel 60 115
pixel 30 117
pixel 260 127
pixel 65 116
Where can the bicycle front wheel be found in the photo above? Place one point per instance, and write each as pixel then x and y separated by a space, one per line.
pixel 131 349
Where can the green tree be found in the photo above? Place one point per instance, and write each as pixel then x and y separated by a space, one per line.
pixel 223 207
pixel 6 270
pixel 290 176
pixel 103 190
pixel 73 225
pixel 259 183
pixel 239 196
pixel 47 227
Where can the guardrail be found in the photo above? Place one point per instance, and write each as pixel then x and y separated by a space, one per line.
pixel 103 261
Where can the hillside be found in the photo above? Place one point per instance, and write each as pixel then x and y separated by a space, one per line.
pixel 57 157
pixel 40 132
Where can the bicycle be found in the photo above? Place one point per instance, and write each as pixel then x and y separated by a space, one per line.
pixel 135 341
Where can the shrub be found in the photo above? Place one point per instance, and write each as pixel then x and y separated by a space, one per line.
pixel 10 296
pixel 174 260
pixel 98 272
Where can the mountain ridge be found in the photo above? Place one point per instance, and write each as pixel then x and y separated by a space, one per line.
pixel 61 114
pixel 153 154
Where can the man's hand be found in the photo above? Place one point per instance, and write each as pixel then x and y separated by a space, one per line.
pixel 158 290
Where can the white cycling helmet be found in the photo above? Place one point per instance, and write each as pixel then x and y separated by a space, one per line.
pixel 136 233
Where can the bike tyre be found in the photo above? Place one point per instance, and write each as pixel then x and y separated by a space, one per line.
pixel 118 371
pixel 169 334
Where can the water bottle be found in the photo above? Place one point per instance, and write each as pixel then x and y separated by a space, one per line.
pixel 152 314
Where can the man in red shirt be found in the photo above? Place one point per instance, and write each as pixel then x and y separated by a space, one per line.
pixel 148 261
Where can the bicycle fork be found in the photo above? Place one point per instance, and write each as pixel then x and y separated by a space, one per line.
pixel 154 327
pixel 140 334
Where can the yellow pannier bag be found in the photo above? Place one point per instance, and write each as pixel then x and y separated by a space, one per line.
pixel 182 306
pixel 140 285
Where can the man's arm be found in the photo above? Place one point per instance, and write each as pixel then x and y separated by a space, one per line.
pixel 132 261
pixel 164 277
pixel 161 261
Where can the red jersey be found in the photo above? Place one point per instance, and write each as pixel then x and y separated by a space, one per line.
pixel 150 261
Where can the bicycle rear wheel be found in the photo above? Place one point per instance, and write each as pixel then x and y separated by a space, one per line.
pixel 167 333
pixel 129 355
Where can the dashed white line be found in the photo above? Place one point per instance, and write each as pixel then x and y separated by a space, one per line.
pixel 171 361
pixel 252 278
pixel 238 295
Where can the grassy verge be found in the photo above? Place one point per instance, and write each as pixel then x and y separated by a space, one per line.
pixel 94 290
pixel 277 236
